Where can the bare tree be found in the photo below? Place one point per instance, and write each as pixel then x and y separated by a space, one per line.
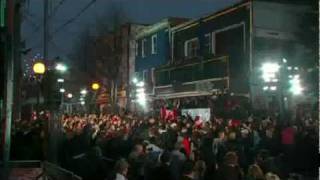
pixel 98 51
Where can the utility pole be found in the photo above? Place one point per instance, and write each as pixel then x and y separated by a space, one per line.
pixel 9 56
pixel 45 30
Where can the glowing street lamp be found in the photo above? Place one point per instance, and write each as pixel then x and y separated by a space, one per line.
pixel 83 92
pixel 95 86
pixel 69 95
pixel 135 80
pixel 39 68
pixel 60 80
pixel 62 90
pixel 61 67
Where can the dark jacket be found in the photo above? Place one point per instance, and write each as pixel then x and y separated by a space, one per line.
pixel 162 172
pixel 227 172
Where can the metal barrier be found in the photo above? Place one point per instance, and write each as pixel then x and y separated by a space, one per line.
pixel 54 172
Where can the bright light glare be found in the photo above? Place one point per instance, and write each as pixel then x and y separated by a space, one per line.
pixel 265 88
pixel 270 67
pixel 273 88
pixel 296 87
pixel 69 95
pixel 95 86
pixel 61 67
pixel 140 90
pixel 284 60
pixel 275 80
pixel 296 68
pixel 140 84
pixel 135 80
pixel 289 68
pixel 83 92
pixel 60 80
pixel 81 99
pixel 82 103
pixel 269 71
pixel 39 68
pixel 62 90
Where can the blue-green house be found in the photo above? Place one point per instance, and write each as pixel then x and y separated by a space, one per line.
pixel 153 49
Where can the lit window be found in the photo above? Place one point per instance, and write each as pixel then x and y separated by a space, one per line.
pixel 154 44
pixel 191 48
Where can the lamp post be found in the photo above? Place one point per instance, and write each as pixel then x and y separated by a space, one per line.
pixel 39 69
pixel 95 86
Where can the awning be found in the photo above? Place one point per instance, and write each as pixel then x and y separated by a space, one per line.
pixel 182 94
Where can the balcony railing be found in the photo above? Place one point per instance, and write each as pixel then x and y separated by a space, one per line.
pixel 213 68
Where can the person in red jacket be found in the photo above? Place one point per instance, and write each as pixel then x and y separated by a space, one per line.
pixel 186 145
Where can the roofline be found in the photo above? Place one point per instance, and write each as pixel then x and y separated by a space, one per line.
pixel 212 15
pixel 153 28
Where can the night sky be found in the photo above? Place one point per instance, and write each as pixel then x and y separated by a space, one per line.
pixel 139 11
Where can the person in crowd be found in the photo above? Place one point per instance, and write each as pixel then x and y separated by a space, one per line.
pixel 219 147
pixel 199 170
pixel 230 169
pixel 136 160
pixel 271 176
pixel 121 170
pixel 177 160
pixel 255 173
pixel 288 141
pixel 187 171
pixel 162 171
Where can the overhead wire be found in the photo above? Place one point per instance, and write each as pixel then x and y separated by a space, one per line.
pixel 56 8
pixel 71 20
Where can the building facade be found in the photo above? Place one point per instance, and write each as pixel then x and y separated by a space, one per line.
pixel 224 52
pixel 153 46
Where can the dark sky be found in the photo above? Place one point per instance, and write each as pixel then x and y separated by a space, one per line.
pixel 139 11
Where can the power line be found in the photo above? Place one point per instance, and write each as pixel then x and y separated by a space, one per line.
pixel 75 17
pixel 71 20
pixel 55 10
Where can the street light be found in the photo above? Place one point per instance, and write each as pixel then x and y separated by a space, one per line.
pixel 83 92
pixel 284 60
pixel 39 68
pixel 69 95
pixel 62 90
pixel 60 80
pixel 61 67
pixel 135 80
pixel 95 86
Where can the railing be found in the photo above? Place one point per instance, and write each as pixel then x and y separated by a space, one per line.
pixel 36 170
pixel 54 172
pixel 193 71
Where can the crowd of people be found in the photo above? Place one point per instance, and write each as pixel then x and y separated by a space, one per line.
pixel 113 146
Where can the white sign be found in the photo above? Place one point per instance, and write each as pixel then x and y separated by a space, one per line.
pixel 203 113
